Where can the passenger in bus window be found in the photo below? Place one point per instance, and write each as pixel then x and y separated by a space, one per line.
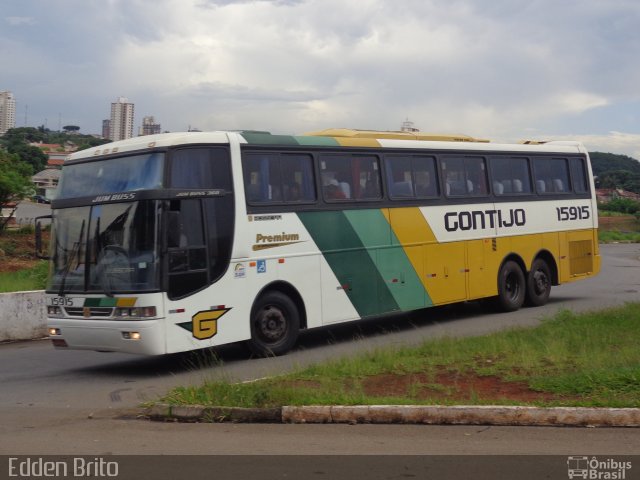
pixel 333 191
pixel 293 193
pixel 424 187
pixel 344 185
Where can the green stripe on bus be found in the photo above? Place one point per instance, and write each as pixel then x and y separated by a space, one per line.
pixel 392 262
pixel 100 302
pixel 268 139
pixel 350 262
pixel 317 141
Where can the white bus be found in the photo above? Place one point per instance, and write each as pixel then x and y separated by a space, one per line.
pixel 184 241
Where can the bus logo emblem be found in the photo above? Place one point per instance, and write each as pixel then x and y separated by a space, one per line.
pixel 204 324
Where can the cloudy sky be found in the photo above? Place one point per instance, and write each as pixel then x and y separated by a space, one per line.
pixel 499 69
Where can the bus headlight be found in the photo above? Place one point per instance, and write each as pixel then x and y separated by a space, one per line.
pixel 131 335
pixel 54 311
pixel 133 313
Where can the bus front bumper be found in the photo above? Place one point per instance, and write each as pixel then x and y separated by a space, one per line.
pixel 145 337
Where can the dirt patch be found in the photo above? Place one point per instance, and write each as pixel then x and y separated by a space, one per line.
pixel 10 265
pixel 444 386
pixel 17 250
pixel 452 386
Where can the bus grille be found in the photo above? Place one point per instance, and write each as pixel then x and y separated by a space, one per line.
pixel 92 311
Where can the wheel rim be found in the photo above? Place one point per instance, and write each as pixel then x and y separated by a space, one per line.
pixel 512 286
pixel 540 282
pixel 271 324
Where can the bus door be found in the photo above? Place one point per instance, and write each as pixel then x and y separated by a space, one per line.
pixel 445 268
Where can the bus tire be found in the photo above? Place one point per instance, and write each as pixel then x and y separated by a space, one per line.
pixel 275 324
pixel 538 283
pixel 511 287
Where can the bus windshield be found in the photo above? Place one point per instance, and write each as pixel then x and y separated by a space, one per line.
pixel 136 172
pixel 105 248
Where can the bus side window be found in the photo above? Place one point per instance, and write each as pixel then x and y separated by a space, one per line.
pixel 200 168
pixel 425 179
pixel 399 176
pixel 552 175
pixel 411 176
pixel 278 178
pixel 476 175
pixel 346 177
pixel 262 178
pixel 579 175
pixel 369 174
pixel 298 184
pixel 510 175
pixel 465 176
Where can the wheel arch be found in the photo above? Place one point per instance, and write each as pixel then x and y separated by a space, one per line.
pixel 548 257
pixel 289 290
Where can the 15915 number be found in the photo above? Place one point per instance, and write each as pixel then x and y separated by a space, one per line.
pixel 573 213
pixel 62 302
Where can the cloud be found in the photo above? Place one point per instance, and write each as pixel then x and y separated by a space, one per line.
pixel 613 142
pixel 502 69
pixel 19 21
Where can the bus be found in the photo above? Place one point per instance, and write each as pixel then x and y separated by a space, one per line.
pixel 183 241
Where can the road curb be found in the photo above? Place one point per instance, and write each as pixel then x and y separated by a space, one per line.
pixel 197 413
pixel 405 414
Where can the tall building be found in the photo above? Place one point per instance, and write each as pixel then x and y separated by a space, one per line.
pixel 106 128
pixel 149 126
pixel 7 112
pixel 121 126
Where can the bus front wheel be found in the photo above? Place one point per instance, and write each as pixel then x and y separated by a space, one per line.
pixel 538 283
pixel 275 324
pixel 511 287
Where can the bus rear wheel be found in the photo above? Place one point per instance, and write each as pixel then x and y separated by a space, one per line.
pixel 538 283
pixel 275 324
pixel 511 287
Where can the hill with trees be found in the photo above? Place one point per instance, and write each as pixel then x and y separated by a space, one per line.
pixel 616 171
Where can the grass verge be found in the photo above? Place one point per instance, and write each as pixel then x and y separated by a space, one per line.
pixel 33 278
pixel 589 359
pixel 615 236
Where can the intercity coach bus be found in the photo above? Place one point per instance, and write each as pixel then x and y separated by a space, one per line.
pixel 183 241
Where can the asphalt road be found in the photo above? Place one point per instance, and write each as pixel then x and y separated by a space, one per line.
pixel 27 212
pixel 74 402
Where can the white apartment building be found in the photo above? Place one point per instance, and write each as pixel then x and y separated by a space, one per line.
pixel 7 111
pixel 121 125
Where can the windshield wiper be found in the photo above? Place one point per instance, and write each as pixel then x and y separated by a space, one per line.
pixel 74 252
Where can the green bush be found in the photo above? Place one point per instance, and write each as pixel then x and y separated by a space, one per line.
pixel 622 205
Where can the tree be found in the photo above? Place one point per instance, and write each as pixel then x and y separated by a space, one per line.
pixel 17 140
pixel 623 179
pixel 71 128
pixel 15 182
pixel 606 162
pixel 31 156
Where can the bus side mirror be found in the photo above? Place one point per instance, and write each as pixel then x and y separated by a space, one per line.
pixel 38 234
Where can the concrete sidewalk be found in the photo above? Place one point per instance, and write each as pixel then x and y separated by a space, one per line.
pixel 405 414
